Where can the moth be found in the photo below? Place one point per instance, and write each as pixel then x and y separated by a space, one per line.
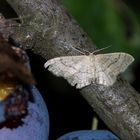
pixel 83 70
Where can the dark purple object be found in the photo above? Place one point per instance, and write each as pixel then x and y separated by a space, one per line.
pixel 35 125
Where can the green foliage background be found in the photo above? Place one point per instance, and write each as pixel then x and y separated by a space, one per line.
pixel 108 22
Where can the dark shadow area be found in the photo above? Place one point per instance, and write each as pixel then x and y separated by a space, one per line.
pixel 136 83
pixel 6 10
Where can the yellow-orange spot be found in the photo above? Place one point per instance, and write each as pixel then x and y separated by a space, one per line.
pixel 5 90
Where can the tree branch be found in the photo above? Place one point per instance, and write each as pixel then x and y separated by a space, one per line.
pixel 51 33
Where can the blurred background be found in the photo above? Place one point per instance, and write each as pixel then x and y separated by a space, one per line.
pixel 107 22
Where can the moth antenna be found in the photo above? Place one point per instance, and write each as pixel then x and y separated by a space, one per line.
pixel 86 51
pixel 101 49
pixel 78 50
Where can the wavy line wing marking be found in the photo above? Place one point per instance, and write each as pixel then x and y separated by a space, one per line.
pixel 75 69
pixel 109 66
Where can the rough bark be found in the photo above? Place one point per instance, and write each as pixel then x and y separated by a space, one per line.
pixel 50 31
